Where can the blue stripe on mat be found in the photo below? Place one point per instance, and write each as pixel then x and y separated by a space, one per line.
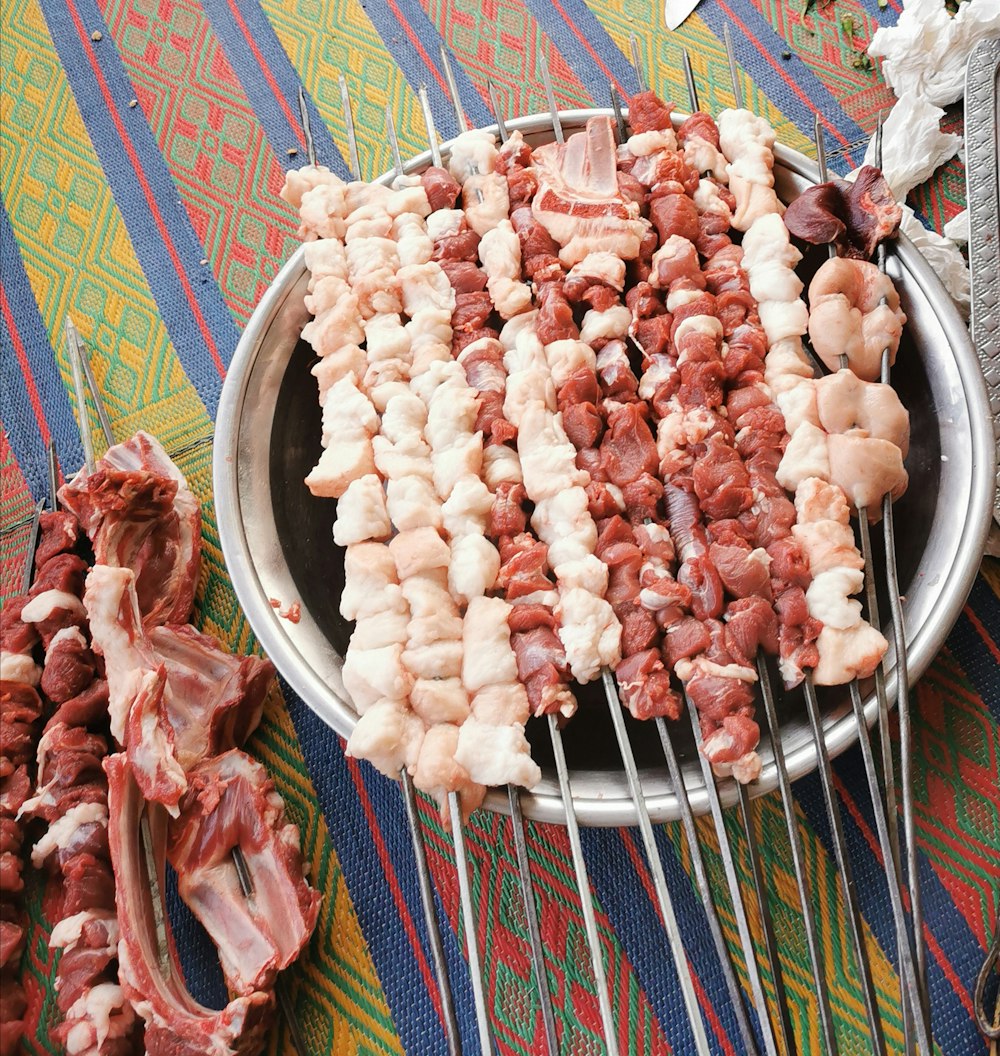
pixel 643 938
pixel 254 71
pixel 413 1011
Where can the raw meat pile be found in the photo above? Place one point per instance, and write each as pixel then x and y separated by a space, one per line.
pixel 564 393
pixel 125 674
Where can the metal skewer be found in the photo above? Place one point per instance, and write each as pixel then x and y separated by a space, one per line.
pixel 449 77
pixel 307 126
pixel 79 392
pixel 687 816
pixel 902 684
pixel 29 558
pixel 892 851
pixel 53 467
pixel 425 883
pixel 454 806
pixel 854 919
pixel 513 795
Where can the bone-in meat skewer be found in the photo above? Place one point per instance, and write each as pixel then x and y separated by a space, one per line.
pixel 513 795
pixel 80 366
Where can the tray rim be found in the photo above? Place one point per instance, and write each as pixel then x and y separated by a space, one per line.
pixel 594 810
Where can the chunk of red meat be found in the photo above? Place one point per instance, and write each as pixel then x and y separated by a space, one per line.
pixel 539 251
pixel 742 572
pixel 464 276
pixel 639 630
pixel 721 481
pixel 490 420
pixel 716 697
pixel 515 154
pixel 600 298
pixel 582 424
pixel 789 565
pixel 525 572
pixel 614 530
pixel 631 189
pixel 751 624
pixel 88 883
pixel 59 531
pixel 507 515
pixel 69 669
pixel 645 687
pixel 521 187
pixel 615 374
pixel 652 335
pixel 628 449
pixel 742 737
pixel 88 708
pixel 702 385
pixel 674 214
pixel 555 316
pixel 641 497
pixel 580 387
pixel 681 264
pixel 536 650
pixel 523 618
pixel 853 216
pixel 699 575
pixel 647 112
pixel 686 638
pixel 441 188
pixel 471 311
pixel 16 636
pixel 699 126
pixel 741 401
pixel 643 301
pixel 601 503
pixel 63 572
pixel 461 246
pixel 624 562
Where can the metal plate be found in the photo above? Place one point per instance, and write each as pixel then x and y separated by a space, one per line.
pixel 277 539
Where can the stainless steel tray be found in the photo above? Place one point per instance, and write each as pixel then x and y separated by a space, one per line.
pixel 277 542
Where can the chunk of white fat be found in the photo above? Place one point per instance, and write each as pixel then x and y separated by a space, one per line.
pixel 805 456
pixel 487 654
pixel 438 700
pixel 590 633
pixel 828 597
pixel 67 932
pixel 475 564
pixel 371 675
pixel 496 755
pixel 19 667
pixel 388 735
pixel 43 605
pixel 361 512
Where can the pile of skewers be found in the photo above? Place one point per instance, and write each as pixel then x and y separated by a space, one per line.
pixel 721 410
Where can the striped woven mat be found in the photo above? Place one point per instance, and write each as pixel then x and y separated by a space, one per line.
pixel 143 144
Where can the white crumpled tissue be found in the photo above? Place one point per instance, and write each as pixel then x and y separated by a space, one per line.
pixel 928 48
pixel 913 145
pixel 943 256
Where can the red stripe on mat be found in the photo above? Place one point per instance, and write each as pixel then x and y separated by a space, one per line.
pixel 397 893
pixel 961 992
pixel 642 871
